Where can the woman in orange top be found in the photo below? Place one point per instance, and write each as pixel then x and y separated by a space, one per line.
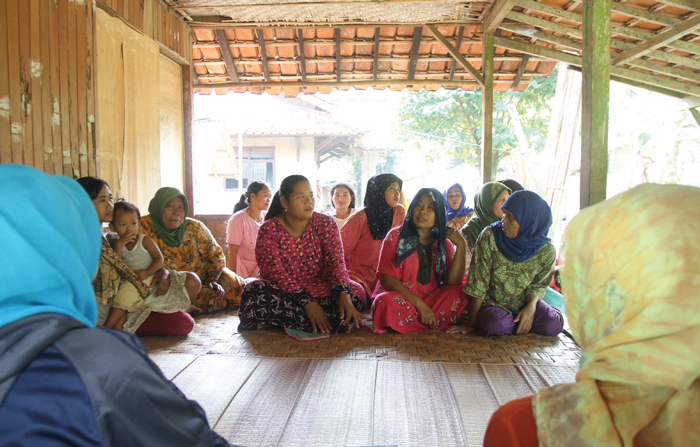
pixel 365 230
pixel 631 299
pixel 188 245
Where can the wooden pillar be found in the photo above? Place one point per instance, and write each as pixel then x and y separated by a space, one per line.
pixel 595 101
pixel 188 112
pixel 487 109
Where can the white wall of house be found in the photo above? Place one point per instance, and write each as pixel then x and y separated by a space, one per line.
pixel 292 155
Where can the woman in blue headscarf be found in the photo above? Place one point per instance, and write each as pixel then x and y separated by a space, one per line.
pixel 62 381
pixel 512 266
pixel 421 266
pixel 458 214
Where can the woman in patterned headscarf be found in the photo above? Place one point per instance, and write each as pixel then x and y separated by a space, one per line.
pixel 630 277
pixel 364 231
pixel 420 270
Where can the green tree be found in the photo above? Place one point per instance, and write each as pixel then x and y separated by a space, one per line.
pixel 451 120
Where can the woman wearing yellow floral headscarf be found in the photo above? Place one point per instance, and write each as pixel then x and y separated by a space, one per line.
pixel 631 279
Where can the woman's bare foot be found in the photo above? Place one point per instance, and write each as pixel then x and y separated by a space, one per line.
pixel 459 329
pixel 193 310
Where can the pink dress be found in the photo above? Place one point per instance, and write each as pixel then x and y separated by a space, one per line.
pixel 391 309
pixel 242 230
pixel 361 250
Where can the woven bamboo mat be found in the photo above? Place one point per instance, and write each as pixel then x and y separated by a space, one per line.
pixel 340 402
pixel 218 334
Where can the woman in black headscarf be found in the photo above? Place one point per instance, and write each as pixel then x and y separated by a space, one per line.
pixel 420 270
pixel 363 233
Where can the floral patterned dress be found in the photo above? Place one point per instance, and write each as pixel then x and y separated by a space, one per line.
pixel 392 310
pixel 296 272
pixel 199 253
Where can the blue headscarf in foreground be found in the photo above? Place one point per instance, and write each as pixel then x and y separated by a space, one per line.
pixel 409 237
pixel 462 210
pixel 534 216
pixel 50 246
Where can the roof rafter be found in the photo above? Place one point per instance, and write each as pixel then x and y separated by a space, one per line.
pixel 460 33
pixel 417 31
pixel 457 55
pixel 263 54
pixel 496 14
pixel 226 53
pixel 660 40
pixel 302 56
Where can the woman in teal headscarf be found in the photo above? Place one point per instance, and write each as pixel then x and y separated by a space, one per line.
pixel 487 210
pixel 62 381
pixel 188 245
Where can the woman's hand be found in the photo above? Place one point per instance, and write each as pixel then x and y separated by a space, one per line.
pixel 456 238
pixel 218 290
pixel 348 313
pixel 525 317
pixel 318 318
pixel 426 315
pixel 163 280
pixel 143 274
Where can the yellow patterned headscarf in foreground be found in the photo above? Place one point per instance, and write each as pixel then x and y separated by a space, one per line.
pixel 631 282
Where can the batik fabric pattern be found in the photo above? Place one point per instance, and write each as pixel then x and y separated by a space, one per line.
pixel 630 278
pixel 392 310
pixel 199 253
pixel 296 272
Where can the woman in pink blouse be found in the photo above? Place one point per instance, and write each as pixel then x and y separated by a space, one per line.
pixel 304 283
pixel 365 230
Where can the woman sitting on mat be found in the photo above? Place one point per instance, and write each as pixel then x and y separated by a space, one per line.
pixel 512 266
pixel 304 282
pixel 242 229
pixel 487 210
pixel 420 270
pixel 458 214
pixel 188 245
pixel 364 232
pixel 113 274
pixel 343 201
pixel 64 382
pixel 630 277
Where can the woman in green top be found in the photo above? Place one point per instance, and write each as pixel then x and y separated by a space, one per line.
pixel 512 266
pixel 487 210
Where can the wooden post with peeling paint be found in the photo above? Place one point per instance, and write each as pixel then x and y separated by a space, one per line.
pixel 595 100
pixel 487 109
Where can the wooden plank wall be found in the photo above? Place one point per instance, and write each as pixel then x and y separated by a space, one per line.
pixel 47 76
pixel 46 85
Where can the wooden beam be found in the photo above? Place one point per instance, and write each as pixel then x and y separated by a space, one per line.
pixel 206 22
pixel 355 83
pixel 633 75
pixel 496 15
pixel 337 53
pixel 226 52
pixel 417 31
pixel 691 5
pixel 487 110
pixel 377 32
pixel 453 65
pixel 188 113
pixel 456 54
pixel 595 101
pixel 696 115
pixel 319 3
pixel 570 43
pixel 521 70
pixel 576 17
pixel 302 56
pixel 391 41
pixel 646 15
pixel 263 54
pixel 660 40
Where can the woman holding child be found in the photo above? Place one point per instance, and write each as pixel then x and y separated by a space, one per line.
pixel 304 283
pixel 187 244
pixel 512 266
pixel 421 267
pixel 118 288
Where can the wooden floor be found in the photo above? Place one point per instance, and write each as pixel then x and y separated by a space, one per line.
pixel 263 388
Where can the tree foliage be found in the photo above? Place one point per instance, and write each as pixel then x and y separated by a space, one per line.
pixel 451 120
